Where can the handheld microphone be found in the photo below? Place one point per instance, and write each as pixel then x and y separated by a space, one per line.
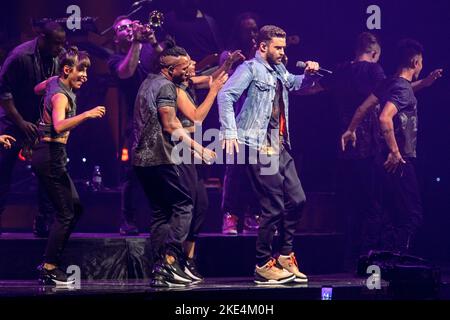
pixel 140 3
pixel 302 65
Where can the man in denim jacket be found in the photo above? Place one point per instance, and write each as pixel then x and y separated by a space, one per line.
pixel 261 130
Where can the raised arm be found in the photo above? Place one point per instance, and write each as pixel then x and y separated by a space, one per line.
pixel 199 114
pixel 128 65
pixel 428 81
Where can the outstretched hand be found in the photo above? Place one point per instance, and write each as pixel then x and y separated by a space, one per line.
pixel 6 141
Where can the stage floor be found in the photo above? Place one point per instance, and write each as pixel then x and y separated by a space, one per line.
pixel 344 286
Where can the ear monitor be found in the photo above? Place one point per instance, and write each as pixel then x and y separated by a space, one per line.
pixel 170 70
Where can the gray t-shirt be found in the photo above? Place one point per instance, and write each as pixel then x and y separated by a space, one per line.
pixel 151 145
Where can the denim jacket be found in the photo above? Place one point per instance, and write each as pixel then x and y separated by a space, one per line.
pixel 259 79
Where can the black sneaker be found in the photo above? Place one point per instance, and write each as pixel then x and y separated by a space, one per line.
pixel 169 275
pixel 128 229
pixel 53 277
pixel 190 268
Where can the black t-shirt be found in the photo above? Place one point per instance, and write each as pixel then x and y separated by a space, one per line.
pixel 399 91
pixel 350 85
pixel 151 145
pixel 128 88
pixel 23 69
pixel 277 119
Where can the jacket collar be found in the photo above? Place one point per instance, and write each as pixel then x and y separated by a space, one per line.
pixel 261 60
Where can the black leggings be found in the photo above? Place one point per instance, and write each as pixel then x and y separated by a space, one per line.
pixel 49 164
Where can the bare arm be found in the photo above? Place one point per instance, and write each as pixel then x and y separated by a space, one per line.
pixel 226 66
pixel 128 66
pixel 11 111
pixel 359 115
pixel 28 128
pixel 59 107
pixel 199 114
pixel 172 125
pixel 201 82
pixel 361 112
pixel 196 115
pixel 387 128
pixel 39 89
pixel 428 81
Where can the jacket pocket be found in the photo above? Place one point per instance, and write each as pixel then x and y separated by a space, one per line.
pixel 263 86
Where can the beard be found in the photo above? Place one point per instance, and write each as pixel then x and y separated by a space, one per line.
pixel 179 79
pixel 272 59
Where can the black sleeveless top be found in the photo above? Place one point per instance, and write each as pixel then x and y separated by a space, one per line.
pixel 54 86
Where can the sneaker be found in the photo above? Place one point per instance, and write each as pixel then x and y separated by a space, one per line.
pixel 40 228
pixel 190 268
pixel 129 229
pixel 165 274
pixel 290 264
pixel 270 274
pixel 251 224
pixel 229 225
pixel 53 277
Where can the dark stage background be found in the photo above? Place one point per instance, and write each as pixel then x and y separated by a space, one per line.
pixel 327 30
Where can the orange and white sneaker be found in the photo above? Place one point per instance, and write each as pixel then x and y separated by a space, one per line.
pixel 270 274
pixel 290 264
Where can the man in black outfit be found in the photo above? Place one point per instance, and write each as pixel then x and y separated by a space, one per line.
pixel 400 198
pixel 398 123
pixel 27 65
pixel 358 192
pixel 135 54
pixel 156 128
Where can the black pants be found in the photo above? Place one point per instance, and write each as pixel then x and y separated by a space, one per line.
pixel 49 164
pixel 130 186
pixel 402 203
pixel 282 198
pixel 171 206
pixel 190 179
pixel 359 203
pixel 238 197
pixel 129 195
pixel 8 158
